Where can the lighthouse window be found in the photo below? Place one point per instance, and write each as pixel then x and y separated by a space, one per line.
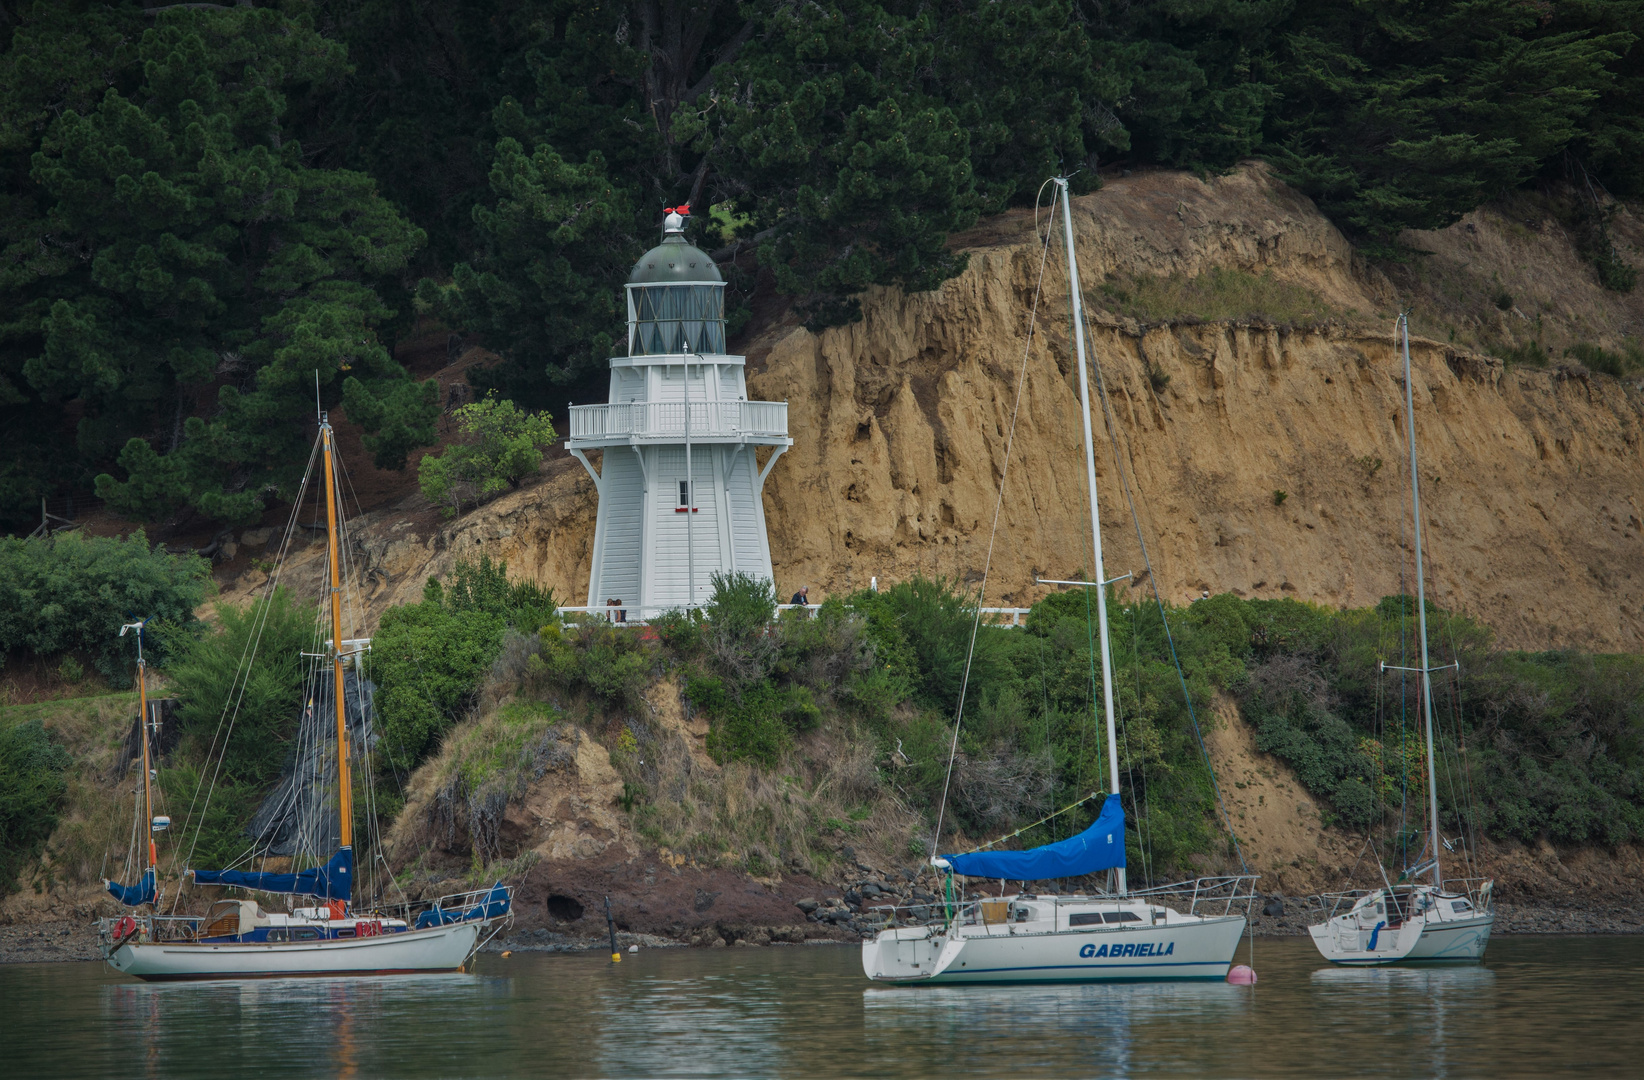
pixel 668 319
pixel 684 493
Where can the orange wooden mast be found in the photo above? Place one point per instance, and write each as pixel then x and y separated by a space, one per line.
pixel 345 797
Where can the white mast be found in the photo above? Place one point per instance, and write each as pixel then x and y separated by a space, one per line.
pixel 1421 613
pixel 1090 476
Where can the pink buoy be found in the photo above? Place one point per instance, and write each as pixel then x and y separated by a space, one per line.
pixel 1242 975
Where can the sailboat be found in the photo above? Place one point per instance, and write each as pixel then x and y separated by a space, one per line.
pixel 331 935
pixel 1438 920
pixel 1116 935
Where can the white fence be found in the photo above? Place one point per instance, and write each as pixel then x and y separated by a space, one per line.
pixel 636 615
pixel 666 420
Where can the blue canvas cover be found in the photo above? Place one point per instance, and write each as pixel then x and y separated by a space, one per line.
pixel 333 881
pixel 494 906
pixel 1100 847
pixel 134 895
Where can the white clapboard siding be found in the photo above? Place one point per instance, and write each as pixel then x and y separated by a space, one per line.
pixel 620 521
pixel 685 541
pixel 753 554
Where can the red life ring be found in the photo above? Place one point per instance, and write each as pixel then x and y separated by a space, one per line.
pixel 367 929
pixel 124 927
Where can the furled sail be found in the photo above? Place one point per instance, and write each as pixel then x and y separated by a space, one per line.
pixel 333 881
pixel 134 895
pixel 1100 847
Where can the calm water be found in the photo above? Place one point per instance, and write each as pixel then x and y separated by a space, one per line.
pixel 1539 1006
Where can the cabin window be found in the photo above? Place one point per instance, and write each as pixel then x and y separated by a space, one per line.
pixel 1461 907
pixel 670 319
pixel 277 935
pixel 1088 918
pixel 1120 916
pixel 305 933
pixel 345 933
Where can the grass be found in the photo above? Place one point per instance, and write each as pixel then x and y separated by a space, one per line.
pixel 95 816
pixel 1219 294
pixel 1619 364
pixel 1527 354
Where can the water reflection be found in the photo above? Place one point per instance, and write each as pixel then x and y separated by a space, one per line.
pixel 808 1012
pixel 326 1025
pixel 1422 1002
pixel 1096 1029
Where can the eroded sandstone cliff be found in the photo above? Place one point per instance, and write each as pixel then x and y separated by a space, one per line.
pixel 1534 494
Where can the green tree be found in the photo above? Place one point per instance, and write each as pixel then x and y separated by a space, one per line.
pixel 73 592
pixel 1405 116
pixel 502 445
pixel 196 248
pixel 241 687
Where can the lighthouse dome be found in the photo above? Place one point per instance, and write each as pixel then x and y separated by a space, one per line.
pixel 674 261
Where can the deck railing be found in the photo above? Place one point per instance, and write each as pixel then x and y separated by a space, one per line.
pixel 666 420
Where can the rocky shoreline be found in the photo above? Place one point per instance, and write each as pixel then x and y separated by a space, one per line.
pixel 837 920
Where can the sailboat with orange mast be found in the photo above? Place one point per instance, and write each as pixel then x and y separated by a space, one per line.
pixel 238 938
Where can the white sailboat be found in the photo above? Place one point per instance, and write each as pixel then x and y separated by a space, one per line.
pixel 1113 936
pixel 1439 920
pixel 237 938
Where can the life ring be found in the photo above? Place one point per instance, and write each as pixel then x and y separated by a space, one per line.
pixel 124 927
pixel 367 929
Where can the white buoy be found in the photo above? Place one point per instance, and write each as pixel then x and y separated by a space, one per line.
pixel 633 948
pixel 1242 975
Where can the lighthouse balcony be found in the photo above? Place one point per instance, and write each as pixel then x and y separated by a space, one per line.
pixel 763 423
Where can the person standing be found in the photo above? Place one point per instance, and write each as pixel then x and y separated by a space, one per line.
pixel 802 598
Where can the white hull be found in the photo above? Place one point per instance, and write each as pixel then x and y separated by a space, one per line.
pixel 1184 947
pixel 1361 938
pixel 438 948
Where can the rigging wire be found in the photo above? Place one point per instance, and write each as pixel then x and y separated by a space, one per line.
pixel 1170 639
pixel 1010 440
pixel 242 675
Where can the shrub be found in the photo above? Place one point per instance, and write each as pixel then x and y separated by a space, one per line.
pixel 73 592
pixel 1603 360
pixel 484 587
pixel 32 787
pixel 427 661
pixel 738 617
pixel 759 725
pixel 1529 354
pixel 501 445
pixel 246 707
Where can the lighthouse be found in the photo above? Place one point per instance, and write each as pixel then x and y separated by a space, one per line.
pixel 679 476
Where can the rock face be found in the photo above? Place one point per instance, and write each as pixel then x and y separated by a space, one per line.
pixel 1532 480
pixel 1532 487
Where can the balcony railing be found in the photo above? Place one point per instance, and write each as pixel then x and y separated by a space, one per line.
pixel 665 421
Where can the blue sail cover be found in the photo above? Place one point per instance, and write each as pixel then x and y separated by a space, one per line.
pixel 1100 847
pixel 133 895
pixel 494 906
pixel 333 881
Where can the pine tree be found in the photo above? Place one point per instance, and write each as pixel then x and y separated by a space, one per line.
pixel 201 252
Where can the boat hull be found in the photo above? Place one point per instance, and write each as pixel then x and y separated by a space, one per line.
pixel 439 948
pixel 1197 949
pixel 1454 940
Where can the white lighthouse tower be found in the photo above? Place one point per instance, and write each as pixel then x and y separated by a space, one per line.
pixel 679 486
